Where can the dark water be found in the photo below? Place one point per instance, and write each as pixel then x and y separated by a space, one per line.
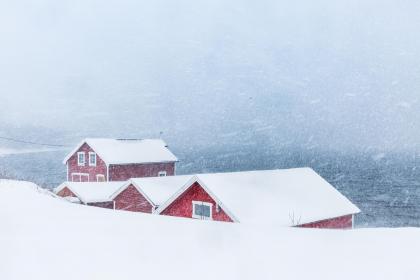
pixel 385 187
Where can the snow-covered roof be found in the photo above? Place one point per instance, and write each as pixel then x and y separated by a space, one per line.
pixel 117 151
pixel 72 199
pixel 89 192
pixel 160 189
pixel 285 197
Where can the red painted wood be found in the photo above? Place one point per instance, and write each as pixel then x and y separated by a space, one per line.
pixel 100 167
pixel 344 222
pixel 66 192
pixel 182 206
pixel 117 172
pixel 127 171
pixel 132 200
pixel 106 204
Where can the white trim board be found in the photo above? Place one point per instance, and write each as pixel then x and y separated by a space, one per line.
pixel 126 185
pixel 201 203
pixel 186 187
pixel 80 197
pixel 91 154
pixel 69 155
pixel 67 185
pixel 78 159
pixel 100 175
pixel 80 174
pixel 89 142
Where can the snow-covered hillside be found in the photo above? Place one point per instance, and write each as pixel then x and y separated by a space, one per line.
pixel 43 237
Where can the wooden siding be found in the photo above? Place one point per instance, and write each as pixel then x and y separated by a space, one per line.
pixel 344 222
pixel 182 206
pixel 66 192
pixel 127 171
pixel 131 199
pixel 92 171
pixel 105 204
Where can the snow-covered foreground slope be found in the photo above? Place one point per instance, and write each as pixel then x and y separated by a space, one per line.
pixel 43 237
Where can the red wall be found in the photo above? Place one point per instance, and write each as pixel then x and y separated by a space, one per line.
pixel 127 171
pixel 131 200
pixel 182 206
pixel 66 192
pixel 100 167
pixel 106 204
pixel 344 222
pixel 116 172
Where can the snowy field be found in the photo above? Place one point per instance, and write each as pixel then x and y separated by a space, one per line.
pixel 43 237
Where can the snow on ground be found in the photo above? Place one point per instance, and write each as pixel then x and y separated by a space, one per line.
pixel 44 237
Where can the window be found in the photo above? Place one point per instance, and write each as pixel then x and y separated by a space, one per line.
pixel 202 210
pixel 162 173
pixel 81 158
pixel 80 177
pixel 100 178
pixel 92 159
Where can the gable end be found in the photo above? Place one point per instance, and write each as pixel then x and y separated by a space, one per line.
pixel 181 204
pixel 130 199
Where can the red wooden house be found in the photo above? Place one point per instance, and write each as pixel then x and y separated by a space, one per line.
pixel 154 191
pixel 292 197
pixel 111 195
pixel 97 159
pixel 138 195
pixel 89 193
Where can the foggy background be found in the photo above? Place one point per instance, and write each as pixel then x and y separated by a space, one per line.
pixel 330 75
pixel 230 85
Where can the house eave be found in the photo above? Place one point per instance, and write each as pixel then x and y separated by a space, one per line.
pixel 142 163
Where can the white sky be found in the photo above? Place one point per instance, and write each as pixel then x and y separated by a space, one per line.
pixel 330 74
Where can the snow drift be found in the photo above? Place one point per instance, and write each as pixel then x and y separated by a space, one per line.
pixel 44 237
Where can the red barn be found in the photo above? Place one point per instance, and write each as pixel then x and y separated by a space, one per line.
pixel 127 195
pixel 293 197
pixel 112 195
pixel 97 159
pixel 92 194
pixel 155 190
pixel 130 198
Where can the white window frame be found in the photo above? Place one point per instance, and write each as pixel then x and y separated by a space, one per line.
pixel 80 175
pixel 91 154
pixel 98 176
pixel 79 163
pixel 200 203
pixel 162 173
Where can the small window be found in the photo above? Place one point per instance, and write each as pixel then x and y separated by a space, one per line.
pixel 80 177
pixel 81 158
pixel 162 173
pixel 100 178
pixel 92 159
pixel 202 210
